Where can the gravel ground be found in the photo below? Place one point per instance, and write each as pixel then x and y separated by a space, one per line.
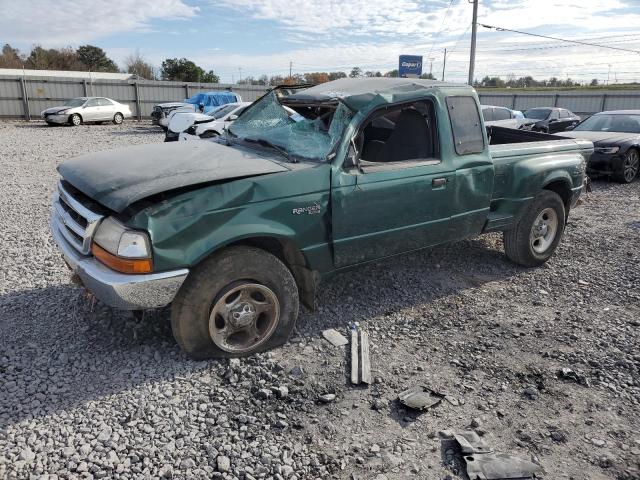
pixel 87 392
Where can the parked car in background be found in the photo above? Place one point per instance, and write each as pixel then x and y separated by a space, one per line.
pixel 616 139
pixel 550 119
pixel 200 102
pixel 85 110
pixel 501 117
pixel 201 125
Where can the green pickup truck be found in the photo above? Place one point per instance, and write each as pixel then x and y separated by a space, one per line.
pixel 234 234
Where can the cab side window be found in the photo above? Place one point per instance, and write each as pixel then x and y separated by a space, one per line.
pixel 465 124
pixel 398 134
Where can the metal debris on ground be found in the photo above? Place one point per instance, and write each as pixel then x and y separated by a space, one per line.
pixel 420 398
pixel 482 463
pixel 334 337
pixel 360 359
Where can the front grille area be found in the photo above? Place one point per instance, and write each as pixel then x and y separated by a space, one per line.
pixel 74 220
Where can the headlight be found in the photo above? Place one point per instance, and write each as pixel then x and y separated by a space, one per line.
pixel 62 111
pixel 606 150
pixel 122 249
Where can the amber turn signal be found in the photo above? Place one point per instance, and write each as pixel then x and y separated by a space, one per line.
pixel 123 265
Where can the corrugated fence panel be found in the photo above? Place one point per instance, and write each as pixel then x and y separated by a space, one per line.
pixel 622 102
pixel 496 100
pixel 51 91
pixel 525 101
pixel 580 103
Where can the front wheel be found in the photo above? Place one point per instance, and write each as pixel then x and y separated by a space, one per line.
pixel 239 301
pixel 75 120
pixel 629 167
pixel 118 118
pixel 537 234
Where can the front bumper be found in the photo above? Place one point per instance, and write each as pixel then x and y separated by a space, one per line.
pixel 56 118
pixel 604 164
pixel 119 290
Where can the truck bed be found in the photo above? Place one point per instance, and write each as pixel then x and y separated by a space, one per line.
pixel 508 142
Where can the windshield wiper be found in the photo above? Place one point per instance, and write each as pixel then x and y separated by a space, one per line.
pixel 268 144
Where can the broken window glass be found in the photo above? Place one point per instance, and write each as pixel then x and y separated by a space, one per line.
pixel 309 138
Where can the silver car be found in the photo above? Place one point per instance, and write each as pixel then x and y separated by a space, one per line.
pixel 87 109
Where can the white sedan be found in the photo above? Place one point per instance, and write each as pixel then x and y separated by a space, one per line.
pixel 87 109
pixel 194 126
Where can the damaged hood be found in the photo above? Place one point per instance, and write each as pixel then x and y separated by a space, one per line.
pixel 118 178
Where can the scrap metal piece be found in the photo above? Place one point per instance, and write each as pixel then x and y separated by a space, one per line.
pixel 482 463
pixel 500 466
pixel 420 398
pixel 365 361
pixel 334 337
pixel 354 357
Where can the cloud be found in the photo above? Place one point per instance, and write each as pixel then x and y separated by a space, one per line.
pixel 69 22
pixel 342 18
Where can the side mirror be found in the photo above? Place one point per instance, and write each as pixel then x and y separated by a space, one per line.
pixel 232 118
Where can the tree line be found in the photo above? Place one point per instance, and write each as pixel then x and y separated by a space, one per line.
pixel 95 59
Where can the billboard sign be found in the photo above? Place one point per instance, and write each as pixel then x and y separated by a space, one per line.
pixel 410 66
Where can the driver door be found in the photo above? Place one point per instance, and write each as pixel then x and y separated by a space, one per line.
pixel 397 198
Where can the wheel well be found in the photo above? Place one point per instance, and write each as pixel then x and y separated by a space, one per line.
pixel 563 189
pixel 294 259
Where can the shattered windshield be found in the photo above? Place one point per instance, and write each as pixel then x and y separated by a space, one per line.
pixel 308 131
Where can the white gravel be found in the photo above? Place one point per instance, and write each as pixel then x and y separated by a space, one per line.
pixel 87 392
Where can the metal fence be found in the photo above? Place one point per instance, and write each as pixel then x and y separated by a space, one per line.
pixel 579 103
pixel 26 97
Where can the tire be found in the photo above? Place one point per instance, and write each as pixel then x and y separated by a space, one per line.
pixel 118 118
pixel 200 313
pixel 524 244
pixel 210 134
pixel 75 120
pixel 629 167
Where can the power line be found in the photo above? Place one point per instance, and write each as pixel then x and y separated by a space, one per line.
pixel 444 19
pixel 501 29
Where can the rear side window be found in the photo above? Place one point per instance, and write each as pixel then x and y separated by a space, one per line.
pixel 501 114
pixel 487 114
pixel 564 114
pixel 466 125
pixel 105 103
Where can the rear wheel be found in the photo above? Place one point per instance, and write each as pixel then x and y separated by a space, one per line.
pixel 629 167
pixel 537 234
pixel 118 118
pixel 75 120
pixel 240 301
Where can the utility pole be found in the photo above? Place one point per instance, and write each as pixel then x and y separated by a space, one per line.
pixel 474 29
pixel 240 71
pixel 431 59
pixel 444 63
pixel 290 66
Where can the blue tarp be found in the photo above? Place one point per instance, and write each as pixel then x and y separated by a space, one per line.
pixel 212 99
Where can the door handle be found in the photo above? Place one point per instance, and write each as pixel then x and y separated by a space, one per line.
pixel 438 182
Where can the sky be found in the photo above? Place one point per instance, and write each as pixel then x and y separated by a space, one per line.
pixel 256 37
